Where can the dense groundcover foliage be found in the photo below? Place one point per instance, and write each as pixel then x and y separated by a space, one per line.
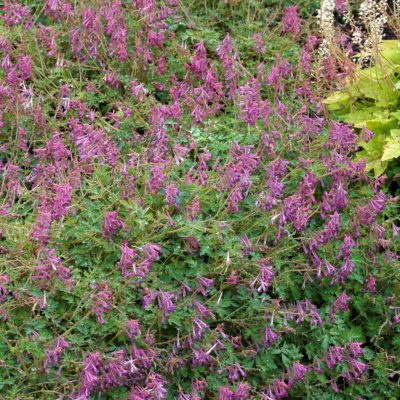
pixel 180 219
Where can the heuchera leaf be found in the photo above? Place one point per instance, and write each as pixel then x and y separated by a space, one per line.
pixel 361 117
pixel 373 84
pixel 392 146
pixel 370 100
pixel 382 126
pixel 338 101
pixel 373 152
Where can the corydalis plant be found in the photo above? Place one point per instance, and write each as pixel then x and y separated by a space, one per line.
pixel 180 218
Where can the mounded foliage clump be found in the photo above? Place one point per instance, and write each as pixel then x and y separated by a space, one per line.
pixel 180 218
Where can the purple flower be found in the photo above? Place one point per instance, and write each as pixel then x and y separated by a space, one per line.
pixel 199 385
pixel 25 67
pixel 333 356
pixel 156 181
pixel 11 175
pixel 165 303
pixel 172 194
pixel 156 386
pixel 347 245
pixel 270 337
pixel 247 246
pixel 111 224
pixel 15 14
pixel 234 198
pixel 341 5
pixel 127 260
pixel 239 168
pixel 295 211
pixel 115 371
pixel 233 278
pixel 91 143
pixel 56 149
pixel 345 270
pixel 204 284
pixel 184 289
pixel 203 311
pixel 235 372
pixel 265 276
pixel 53 354
pixel 242 391
pixel 303 309
pixel 291 22
pixel 343 138
pixel 329 269
pixel 101 303
pixel 333 225
pixel 355 349
pixel 138 90
pixel 149 297
pixel 252 107
pixel 277 169
pixel 297 372
pixel 144 358
pixel 226 394
pixel 43 222
pixel 366 214
pixel 259 45
pixel 370 284
pixel 357 367
pixel 90 374
pixel 378 202
pixel 335 387
pixel 192 245
pixel 305 60
pixel 378 231
pixel 368 135
pixel 151 252
pixel 334 200
pixel 200 357
pixel 228 60
pixel 61 200
pixel 199 62
pixel 133 328
pixel 317 368
pixel 198 328
pixel 58 9
pixel 4 292
pixel 279 389
pixel 396 230
pixel 116 29
pixel 339 304
pixel 49 268
pixel 278 74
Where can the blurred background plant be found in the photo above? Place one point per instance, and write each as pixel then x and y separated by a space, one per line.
pixel 369 95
